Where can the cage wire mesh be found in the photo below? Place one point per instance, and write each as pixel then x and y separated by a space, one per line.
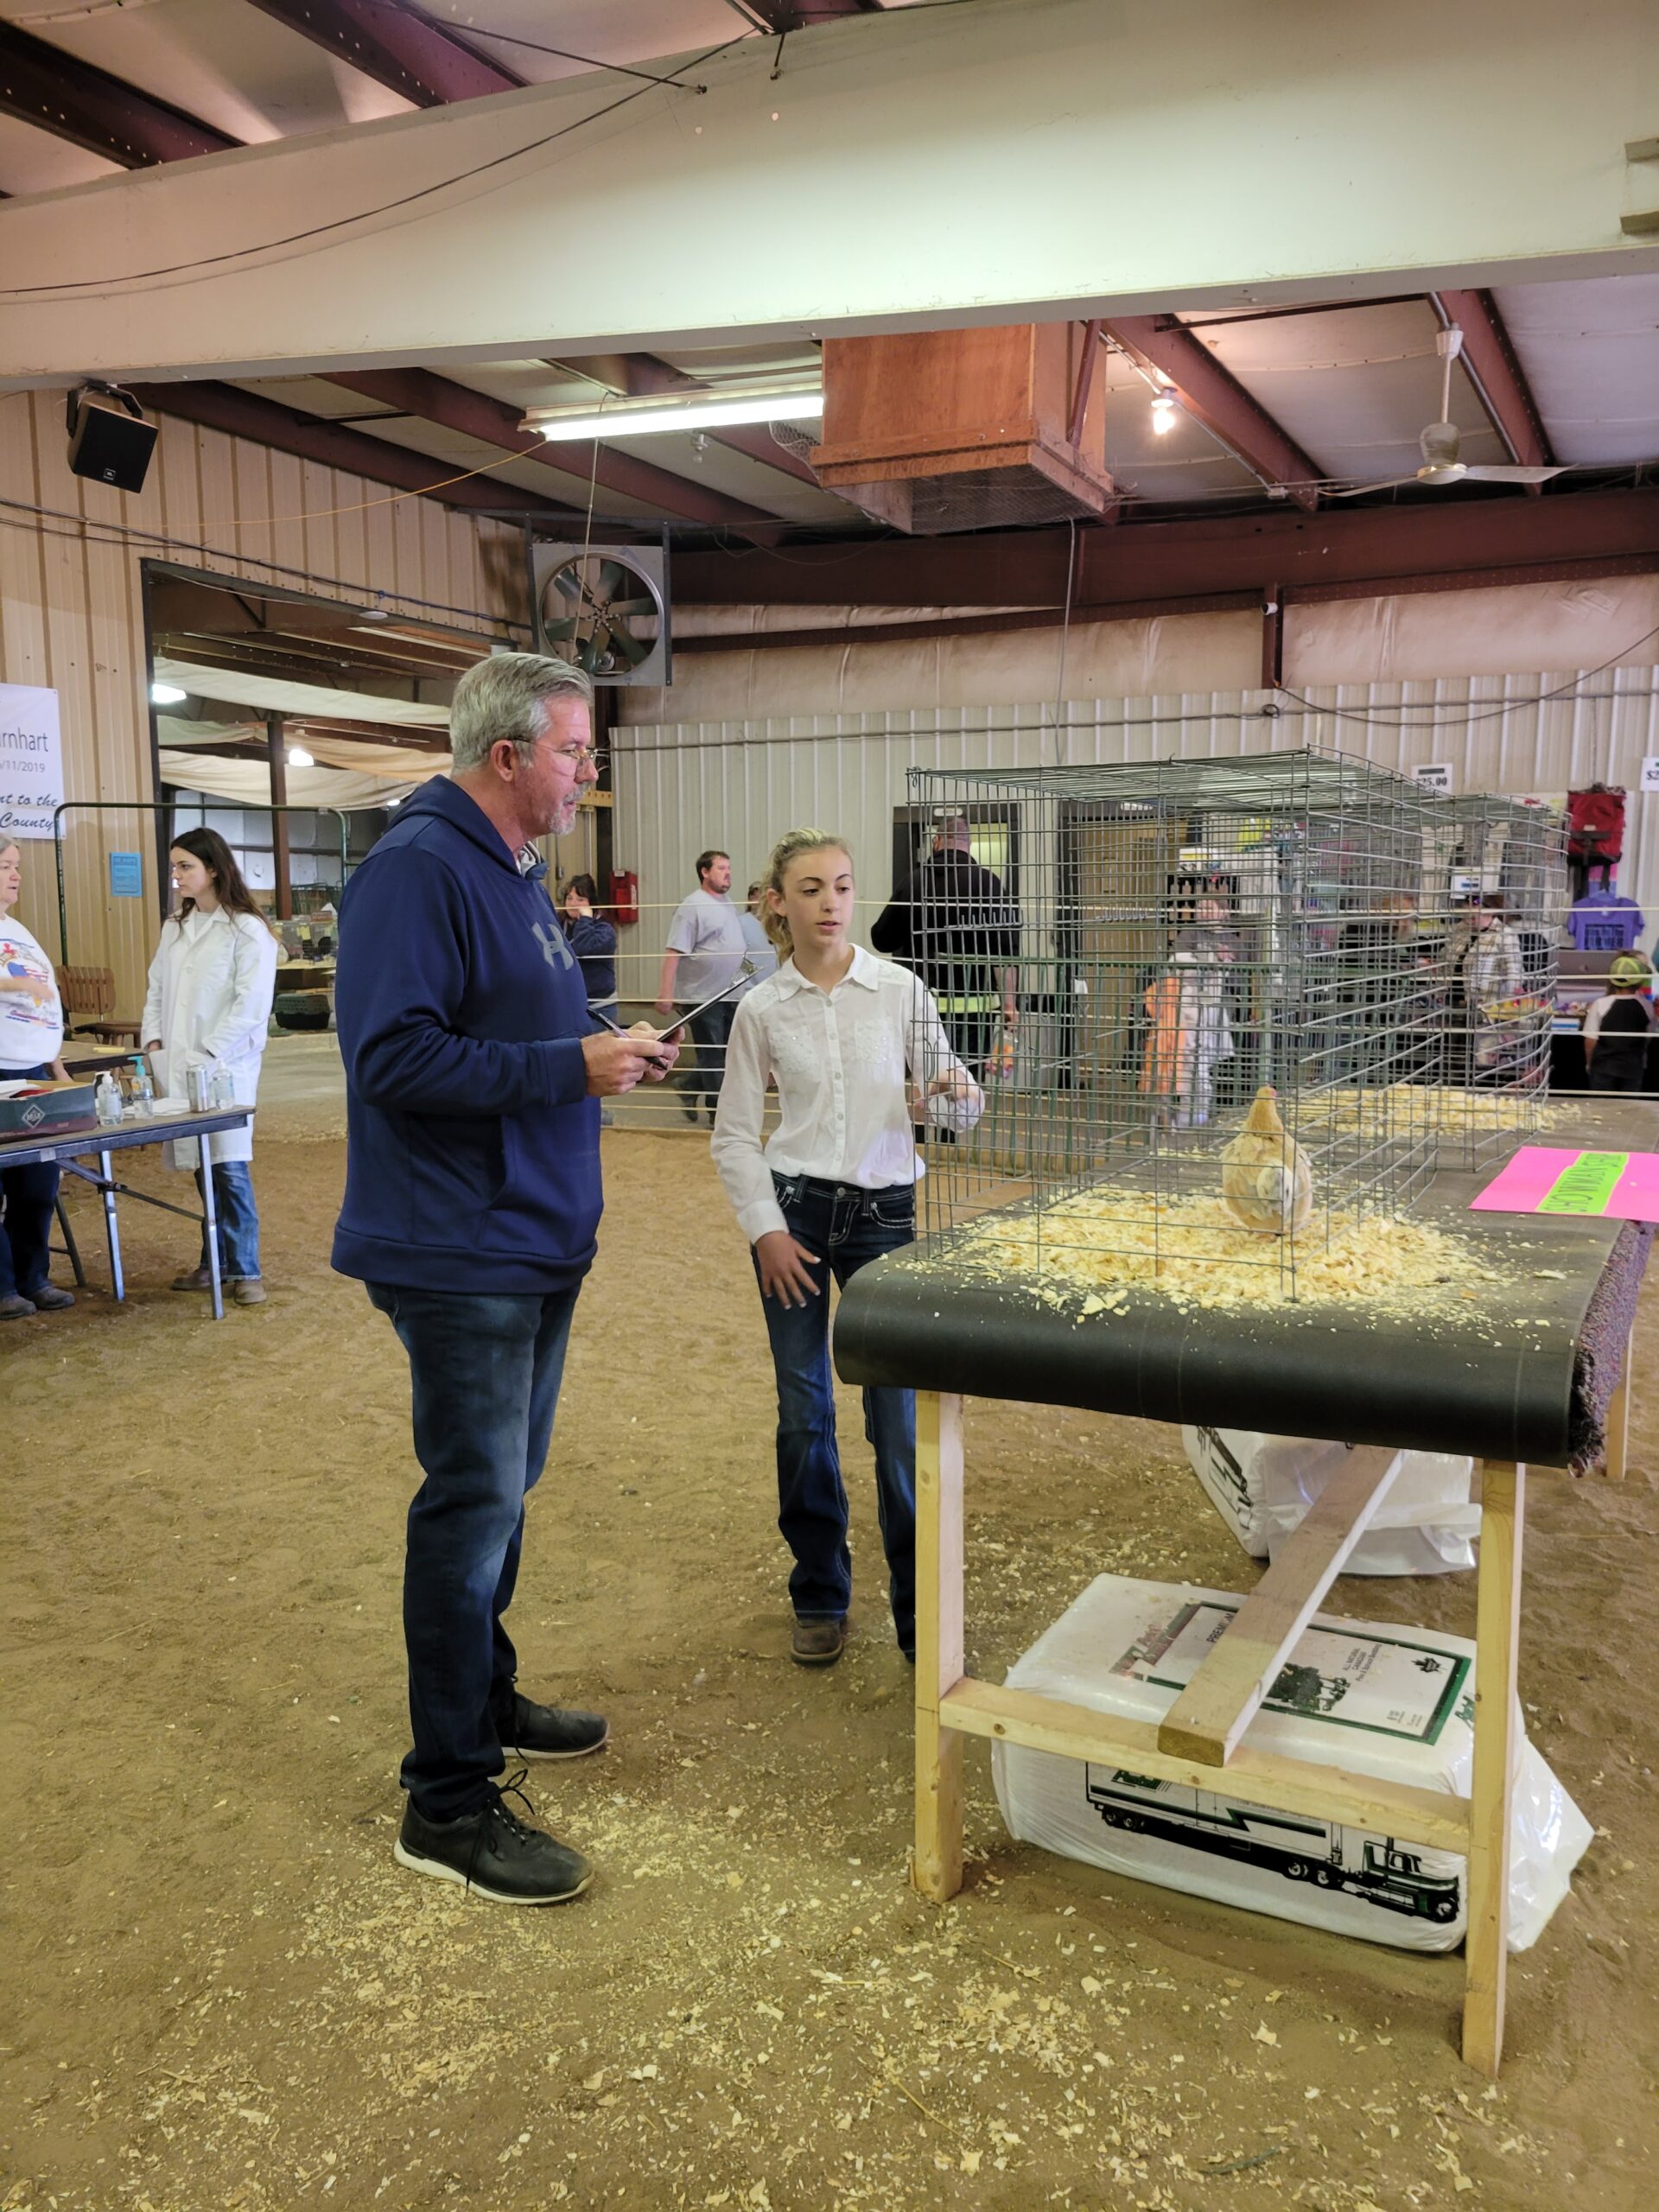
pixel 1499 879
pixel 1147 946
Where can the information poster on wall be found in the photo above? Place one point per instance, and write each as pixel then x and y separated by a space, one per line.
pixel 31 761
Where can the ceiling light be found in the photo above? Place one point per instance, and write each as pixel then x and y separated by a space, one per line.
pixel 374 613
pixel 299 758
pixel 1164 407
pixel 167 695
pixel 700 411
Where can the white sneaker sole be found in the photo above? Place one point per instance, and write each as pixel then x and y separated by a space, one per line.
pixel 517 1751
pixel 444 1873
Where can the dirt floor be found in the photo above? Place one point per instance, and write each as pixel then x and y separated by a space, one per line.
pixel 223 1996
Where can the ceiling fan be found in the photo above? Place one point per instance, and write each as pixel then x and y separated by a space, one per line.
pixel 1440 444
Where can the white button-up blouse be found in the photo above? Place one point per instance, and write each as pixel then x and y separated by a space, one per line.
pixel 844 1062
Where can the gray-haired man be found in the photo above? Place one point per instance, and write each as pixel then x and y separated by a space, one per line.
pixel 472 1199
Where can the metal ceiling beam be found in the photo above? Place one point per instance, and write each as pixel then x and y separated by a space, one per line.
pixel 964 96
pixel 1215 398
pixel 397 46
pixel 1445 536
pixel 785 16
pixel 42 85
pixel 1142 610
pixel 638 375
pixel 1496 371
pixel 476 414
pixel 247 414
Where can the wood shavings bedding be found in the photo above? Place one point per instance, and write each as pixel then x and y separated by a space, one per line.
pixel 1410 1105
pixel 1107 1242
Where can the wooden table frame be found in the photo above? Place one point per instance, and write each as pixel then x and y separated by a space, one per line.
pixel 1201 1733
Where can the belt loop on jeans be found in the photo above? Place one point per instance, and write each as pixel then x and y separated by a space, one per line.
pixel 814 1186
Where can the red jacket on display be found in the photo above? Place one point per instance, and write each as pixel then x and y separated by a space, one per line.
pixel 1599 809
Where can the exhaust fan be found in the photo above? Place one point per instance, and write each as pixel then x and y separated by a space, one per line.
pixel 605 607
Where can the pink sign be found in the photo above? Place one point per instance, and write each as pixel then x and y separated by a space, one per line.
pixel 1618 1185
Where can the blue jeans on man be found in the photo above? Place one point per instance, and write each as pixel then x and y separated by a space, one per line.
pixel 485 1373
pixel 237 1221
pixel 26 1234
pixel 847 1228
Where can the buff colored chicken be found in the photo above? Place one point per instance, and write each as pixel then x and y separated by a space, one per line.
pixel 1266 1183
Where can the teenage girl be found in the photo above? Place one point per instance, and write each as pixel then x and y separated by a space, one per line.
pixel 857 1051
pixel 207 1006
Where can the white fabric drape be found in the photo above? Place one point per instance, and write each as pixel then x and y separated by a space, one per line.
pixel 274 695
pixel 247 783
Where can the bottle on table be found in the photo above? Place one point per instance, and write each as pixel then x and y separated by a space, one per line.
pixel 143 1090
pixel 106 1100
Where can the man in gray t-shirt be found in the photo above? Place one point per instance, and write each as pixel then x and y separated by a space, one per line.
pixel 705 950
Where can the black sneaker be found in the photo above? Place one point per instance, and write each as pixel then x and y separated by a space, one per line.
pixel 495 1853
pixel 548 1731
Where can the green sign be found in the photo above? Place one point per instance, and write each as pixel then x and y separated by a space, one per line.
pixel 1587 1184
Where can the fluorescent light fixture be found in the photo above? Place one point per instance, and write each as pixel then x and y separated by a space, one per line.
pixel 167 695
pixel 701 411
pixel 1164 407
pixel 299 758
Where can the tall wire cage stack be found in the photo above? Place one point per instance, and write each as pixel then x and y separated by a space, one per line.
pixel 1497 878
pixel 1125 957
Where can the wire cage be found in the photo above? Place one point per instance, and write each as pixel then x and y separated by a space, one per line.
pixel 1499 897
pixel 1126 954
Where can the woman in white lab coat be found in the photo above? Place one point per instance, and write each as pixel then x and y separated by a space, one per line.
pixel 207 1006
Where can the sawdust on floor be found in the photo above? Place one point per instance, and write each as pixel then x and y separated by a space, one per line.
pixel 223 1995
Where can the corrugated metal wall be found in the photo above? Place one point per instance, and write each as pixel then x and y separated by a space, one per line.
pixel 681 786
pixel 70 614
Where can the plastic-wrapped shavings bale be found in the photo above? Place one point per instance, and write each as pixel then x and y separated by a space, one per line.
pixel 1394 1703
pixel 1262 1487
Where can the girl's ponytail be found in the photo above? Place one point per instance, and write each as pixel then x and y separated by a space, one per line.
pixel 790 847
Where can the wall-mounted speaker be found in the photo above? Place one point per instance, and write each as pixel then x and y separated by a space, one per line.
pixel 111 438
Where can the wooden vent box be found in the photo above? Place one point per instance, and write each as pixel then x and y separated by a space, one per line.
pixel 963 430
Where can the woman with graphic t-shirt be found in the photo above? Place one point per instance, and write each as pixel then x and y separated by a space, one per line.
pixel 31 1041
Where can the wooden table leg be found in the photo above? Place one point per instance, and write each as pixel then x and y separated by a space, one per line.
pixel 936 1867
pixel 1498 1641
pixel 1618 1418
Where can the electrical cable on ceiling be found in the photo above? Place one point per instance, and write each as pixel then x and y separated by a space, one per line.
pixel 1244 716
pixel 83 530
pixel 561 54
pixel 1065 634
pixel 76 12
pixel 362 506
pixel 1492 714
pixel 345 222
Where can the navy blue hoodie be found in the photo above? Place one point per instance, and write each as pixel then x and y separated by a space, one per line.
pixel 473 1159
